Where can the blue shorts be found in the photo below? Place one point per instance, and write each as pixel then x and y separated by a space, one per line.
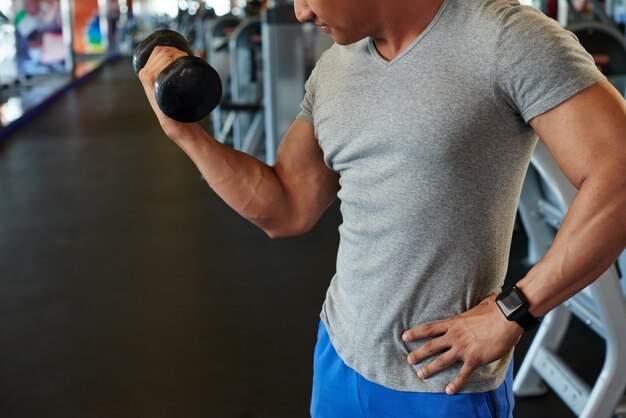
pixel 340 392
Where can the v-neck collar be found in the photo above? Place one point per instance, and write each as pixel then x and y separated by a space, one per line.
pixel 420 37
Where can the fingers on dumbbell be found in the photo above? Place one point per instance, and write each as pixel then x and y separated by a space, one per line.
pixel 161 57
pixel 163 37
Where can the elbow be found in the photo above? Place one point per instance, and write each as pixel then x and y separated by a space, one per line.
pixel 287 230
pixel 274 234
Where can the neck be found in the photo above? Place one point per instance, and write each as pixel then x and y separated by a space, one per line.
pixel 402 24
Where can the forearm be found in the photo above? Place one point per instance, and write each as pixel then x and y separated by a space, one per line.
pixel 592 236
pixel 252 188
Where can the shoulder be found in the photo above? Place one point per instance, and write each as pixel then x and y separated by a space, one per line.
pixel 526 22
pixel 481 20
pixel 526 32
pixel 497 13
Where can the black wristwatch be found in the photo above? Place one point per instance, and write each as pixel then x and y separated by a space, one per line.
pixel 514 306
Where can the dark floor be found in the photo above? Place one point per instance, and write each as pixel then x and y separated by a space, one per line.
pixel 127 289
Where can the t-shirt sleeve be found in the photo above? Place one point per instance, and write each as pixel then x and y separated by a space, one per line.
pixel 306 106
pixel 537 65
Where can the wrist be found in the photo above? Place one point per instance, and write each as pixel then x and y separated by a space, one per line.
pixel 515 307
pixel 180 132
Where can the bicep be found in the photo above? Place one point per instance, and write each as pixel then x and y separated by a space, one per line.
pixel 586 133
pixel 309 183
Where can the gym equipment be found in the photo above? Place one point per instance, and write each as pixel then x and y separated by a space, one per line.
pixel 244 121
pixel 598 30
pixel 546 196
pixel 598 33
pixel 290 51
pixel 264 65
pixel 619 82
pixel 218 33
pixel 205 14
pixel 246 84
pixel 186 90
pixel 605 43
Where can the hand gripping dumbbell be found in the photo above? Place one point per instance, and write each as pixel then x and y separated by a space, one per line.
pixel 187 89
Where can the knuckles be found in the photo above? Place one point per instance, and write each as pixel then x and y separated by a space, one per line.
pixel 441 363
pixel 146 77
pixel 166 52
pixel 428 348
pixel 160 58
pixel 472 361
pixel 427 329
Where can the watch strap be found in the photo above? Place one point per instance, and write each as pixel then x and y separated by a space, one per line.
pixel 525 319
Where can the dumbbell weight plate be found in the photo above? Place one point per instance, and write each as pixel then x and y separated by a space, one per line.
pixel 188 89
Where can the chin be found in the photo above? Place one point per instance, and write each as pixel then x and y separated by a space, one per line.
pixel 346 40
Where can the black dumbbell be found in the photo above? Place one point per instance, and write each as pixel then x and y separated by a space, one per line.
pixel 186 90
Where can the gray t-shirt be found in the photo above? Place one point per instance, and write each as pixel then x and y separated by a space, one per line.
pixel 432 149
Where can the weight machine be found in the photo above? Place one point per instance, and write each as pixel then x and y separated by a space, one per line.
pixel 597 27
pixel 605 43
pixel 218 32
pixel 243 124
pixel 546 197
pixel 290 51
pixel 269 62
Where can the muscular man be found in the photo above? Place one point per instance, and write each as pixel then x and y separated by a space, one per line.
pixel 422 119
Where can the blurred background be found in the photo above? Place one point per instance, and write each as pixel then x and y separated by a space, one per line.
pixel 128 289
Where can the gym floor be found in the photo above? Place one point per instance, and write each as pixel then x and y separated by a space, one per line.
pixel 128 289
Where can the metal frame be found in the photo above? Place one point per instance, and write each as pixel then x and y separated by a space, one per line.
pixel 283 79
pixel 244 121
pixel 216 44
pixel 546 197
pixel 246 88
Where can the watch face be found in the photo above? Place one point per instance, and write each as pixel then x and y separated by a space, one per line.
pixel 510 301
